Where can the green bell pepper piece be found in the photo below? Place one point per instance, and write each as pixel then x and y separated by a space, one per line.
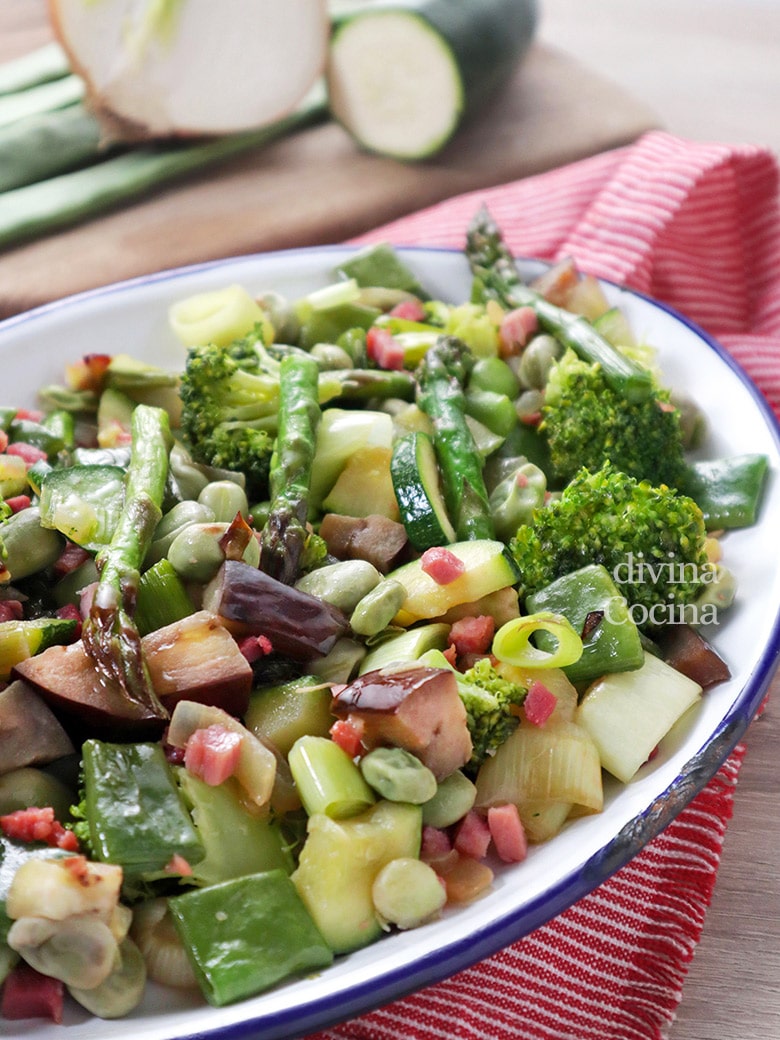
pixel 728 491
pixel 135 813
pixel 592 603
pixel 245 935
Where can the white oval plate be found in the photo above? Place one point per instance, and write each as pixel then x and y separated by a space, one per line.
pixel 132 317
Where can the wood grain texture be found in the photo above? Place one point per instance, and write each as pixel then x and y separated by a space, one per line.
pixel 316 186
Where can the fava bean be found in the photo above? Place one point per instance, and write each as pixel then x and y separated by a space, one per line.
pixel 407 892
pixel 454 797
pixel 225 499
pixel 397 775
pixel 330 356
pixel 377 608
pixel 29 548
pixel 172 524
pixel 123 988
pixel 196 555
pixel 342 584
pixel 533 368
pixel 495 375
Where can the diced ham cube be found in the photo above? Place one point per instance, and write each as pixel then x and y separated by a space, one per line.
pixel 71 557
pixel 11 610
pixel 212 754
pixel 472 837
pixel 38 824
pixel 383 348
pixel 28 994
pixel 472 635
pixel 348 734
pixel 436 844
pixel 410 310
pixel 442 565
pixel 25 451
pixel 539 703
pixel 507 833
pixel 18 502
pixel 516 329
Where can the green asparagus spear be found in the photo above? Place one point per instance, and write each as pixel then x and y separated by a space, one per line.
pixel 496 277
pixel 441 376
pixel 110 636
pixel 284 535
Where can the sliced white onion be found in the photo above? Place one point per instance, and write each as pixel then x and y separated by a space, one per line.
pixel 193 66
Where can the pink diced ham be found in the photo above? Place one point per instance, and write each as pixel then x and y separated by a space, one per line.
pixel 507 833
pixel 25 451
pixel 473 836
pixel 28 994
pixel 409 310
pixel 472 635
pixel 539 703
pixel 212 754
pixel 441 565
pixel 517 327
pixel 383 348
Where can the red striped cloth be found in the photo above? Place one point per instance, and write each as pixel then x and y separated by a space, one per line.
pixel 697 226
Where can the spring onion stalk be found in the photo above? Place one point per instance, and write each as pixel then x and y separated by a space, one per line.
pixel 162 598
pixel 512 642
pixel 39 66
pixel 46 97
pixel 64 200
pixel 541 766
pixel 327 779
pixel 48 144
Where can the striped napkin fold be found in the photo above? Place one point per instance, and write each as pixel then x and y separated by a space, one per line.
pixel 696 226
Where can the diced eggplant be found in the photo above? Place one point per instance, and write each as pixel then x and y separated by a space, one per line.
pixel 197 659
pixel 687 651
pixel 381 541
pixel 193 659
pixel 29 732
pixel 251 602
pixel 85 701
pixel 413 707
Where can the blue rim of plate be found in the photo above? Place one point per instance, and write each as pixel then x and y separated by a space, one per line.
pixel 478 944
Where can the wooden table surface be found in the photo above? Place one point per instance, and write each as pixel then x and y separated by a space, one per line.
pixel 731 992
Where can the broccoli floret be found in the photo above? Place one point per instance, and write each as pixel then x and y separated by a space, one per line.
pixel 651 540
pixel 587 423
pixel 229 407
pixel 489 700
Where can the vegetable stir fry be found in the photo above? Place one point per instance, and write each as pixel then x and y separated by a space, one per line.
pixel 300 644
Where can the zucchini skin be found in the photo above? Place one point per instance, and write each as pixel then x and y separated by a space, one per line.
pixel 486 38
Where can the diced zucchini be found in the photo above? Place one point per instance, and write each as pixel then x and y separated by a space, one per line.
pixel 340 433
pixel 364 487
pixel 83 503
pixel 487 568
pixel 406 646
pixel 417 485
pixel 22 639
pixel 339 862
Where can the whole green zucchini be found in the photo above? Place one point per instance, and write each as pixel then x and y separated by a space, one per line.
pixel 403 74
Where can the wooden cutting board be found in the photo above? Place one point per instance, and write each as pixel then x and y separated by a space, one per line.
pixel 314 187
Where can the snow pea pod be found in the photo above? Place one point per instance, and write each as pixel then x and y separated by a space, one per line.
pixel 728 491
pixel 134 811
pixel 246 934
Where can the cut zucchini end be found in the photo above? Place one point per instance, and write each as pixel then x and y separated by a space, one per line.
pixel 416 482
pixel 419 113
